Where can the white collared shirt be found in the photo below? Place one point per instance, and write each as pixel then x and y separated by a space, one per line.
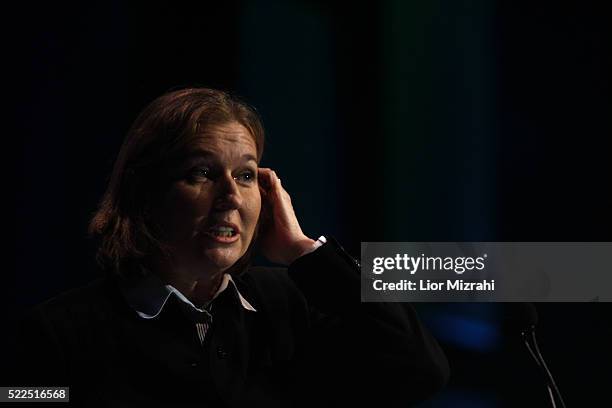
pixel 150 295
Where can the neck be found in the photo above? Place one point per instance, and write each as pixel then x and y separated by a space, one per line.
pixel 198 287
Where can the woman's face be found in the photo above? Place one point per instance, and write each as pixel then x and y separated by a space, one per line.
pixel 209 213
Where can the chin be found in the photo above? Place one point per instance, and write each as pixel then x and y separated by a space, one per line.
pixel 222 258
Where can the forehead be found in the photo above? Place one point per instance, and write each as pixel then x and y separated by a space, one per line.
pixel 228 140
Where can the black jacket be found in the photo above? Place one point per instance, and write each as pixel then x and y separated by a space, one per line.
pixel 311 342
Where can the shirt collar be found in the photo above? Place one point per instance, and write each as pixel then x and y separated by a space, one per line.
pixel 150 294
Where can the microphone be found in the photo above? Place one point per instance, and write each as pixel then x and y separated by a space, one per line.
pixel 522 317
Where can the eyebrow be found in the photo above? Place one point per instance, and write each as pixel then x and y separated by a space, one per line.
pixel 206 153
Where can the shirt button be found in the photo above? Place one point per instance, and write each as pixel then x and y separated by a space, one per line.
pixel 221 353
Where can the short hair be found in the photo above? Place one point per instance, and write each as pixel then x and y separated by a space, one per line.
pixel 158 137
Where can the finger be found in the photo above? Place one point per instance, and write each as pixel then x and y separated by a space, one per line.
pixel 263 192
pixel 268 172
pixel 269 198
pixel 266 205
pixel 268 177
pixel 262 175
pixel 271 182
pixel 276 185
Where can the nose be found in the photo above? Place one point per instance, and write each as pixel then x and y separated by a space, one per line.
pixel 228 195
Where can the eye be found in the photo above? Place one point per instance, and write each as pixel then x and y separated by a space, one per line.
pixel 247 176
pixel 199 172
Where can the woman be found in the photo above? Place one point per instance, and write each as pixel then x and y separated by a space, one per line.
pixel 182 319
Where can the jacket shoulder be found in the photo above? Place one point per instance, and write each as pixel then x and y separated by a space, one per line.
pixel 44 337
pixel 272 288
pixel 266 275
pixel 95 294
pixel 76 310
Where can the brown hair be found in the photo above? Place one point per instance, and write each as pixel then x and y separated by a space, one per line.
pixel 158 136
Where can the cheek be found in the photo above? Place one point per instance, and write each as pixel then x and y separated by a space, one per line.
pixel 181 210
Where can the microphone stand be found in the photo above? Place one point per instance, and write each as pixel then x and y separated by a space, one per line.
pixel 529 338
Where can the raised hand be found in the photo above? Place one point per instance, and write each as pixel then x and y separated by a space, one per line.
pixel 280 237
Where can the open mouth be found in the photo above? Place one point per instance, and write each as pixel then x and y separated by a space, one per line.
pixel 222 231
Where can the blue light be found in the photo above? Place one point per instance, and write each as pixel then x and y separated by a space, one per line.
pixel 465 332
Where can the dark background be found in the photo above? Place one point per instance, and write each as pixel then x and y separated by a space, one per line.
pixel 425 120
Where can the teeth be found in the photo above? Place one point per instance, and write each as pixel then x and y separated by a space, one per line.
pixel 222 231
